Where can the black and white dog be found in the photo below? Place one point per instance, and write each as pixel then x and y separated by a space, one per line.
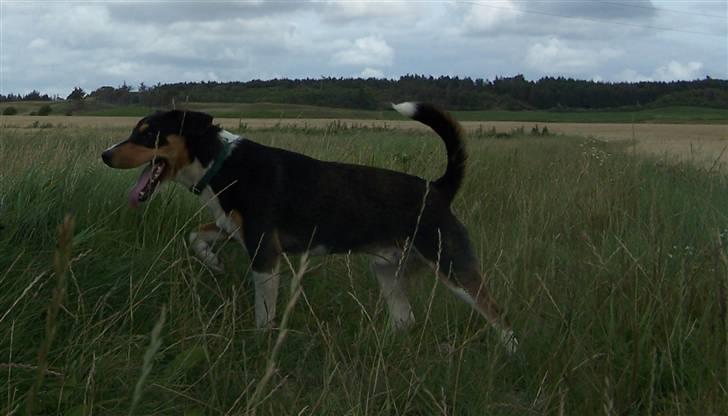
pixel 275 201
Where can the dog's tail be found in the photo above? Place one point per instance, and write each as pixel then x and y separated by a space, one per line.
pixel 451 133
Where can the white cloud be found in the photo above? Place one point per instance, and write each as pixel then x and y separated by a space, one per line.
pixel 630 75
pixel 53 46
pixel 38 43
pixel 371 73
pixel 367 51
pixel 165 12
pixel 603 10
pixel 120 68
pixel 337 11
pixel 672 71
pixel 676 71
pixel 557 56
pixel 487 17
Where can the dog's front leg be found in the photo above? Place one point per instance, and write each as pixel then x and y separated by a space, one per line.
pixel 201 242
pixel 265 251
pixel 266 297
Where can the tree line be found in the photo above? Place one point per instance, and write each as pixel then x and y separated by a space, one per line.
pixel 456 93
pixel 34 95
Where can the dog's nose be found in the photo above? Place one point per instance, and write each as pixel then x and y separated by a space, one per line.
pixel 106 157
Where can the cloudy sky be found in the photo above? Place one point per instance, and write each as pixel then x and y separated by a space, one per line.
pixel 53 46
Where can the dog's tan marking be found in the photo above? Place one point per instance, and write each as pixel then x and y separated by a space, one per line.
pixel 130 155
pixel 210 226
pixel 143 128
pixel 238 220
pixel 176 153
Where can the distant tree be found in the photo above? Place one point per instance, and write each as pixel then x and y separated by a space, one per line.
pixel 10 111
pixel 455 93
pixel 123 94
pixel 32 96
pixel 11 97
pixel 105 94
pixel 77 94
pixel 76 98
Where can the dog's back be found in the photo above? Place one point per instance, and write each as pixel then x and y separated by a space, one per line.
pixel 339 206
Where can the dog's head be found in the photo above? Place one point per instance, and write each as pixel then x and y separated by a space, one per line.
pixel 167 142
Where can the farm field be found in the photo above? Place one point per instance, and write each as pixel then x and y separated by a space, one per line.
pixel 699 143
pixel 610 263
pixel 670 114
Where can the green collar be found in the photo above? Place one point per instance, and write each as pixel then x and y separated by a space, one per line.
pixel 214 169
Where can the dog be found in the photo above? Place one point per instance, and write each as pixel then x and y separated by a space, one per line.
pixel 274 201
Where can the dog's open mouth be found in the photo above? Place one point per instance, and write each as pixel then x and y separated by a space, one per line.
pixel 147 182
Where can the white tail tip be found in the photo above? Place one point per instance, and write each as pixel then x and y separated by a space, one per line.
pixel 407 109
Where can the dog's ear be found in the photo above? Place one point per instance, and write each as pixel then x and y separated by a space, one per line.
pixel 194 123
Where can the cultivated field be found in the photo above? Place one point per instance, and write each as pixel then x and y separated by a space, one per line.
pixel 670 114
pixel 704 144
pixel 610 263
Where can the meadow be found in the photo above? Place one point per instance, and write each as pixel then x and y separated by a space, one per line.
pixel 610 263
pixel 691 140
pixel 675 114
pixel 666 114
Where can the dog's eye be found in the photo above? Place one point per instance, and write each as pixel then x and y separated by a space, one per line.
pixel 154 139
pixel 147 138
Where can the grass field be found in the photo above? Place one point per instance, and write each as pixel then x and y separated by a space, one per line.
pixel 701 143
pixel 293 111
pixel 611 266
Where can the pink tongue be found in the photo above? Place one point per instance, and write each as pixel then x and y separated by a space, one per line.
pixel 141 183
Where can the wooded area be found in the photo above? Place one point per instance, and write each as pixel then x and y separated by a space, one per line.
pixel 507 93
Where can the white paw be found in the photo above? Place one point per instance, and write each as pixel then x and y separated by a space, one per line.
pixel 264 323
pixel 403 321
pixel 214 264
pixel 509 340
pixel 204 252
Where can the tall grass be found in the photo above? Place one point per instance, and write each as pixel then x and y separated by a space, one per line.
pixel 611 267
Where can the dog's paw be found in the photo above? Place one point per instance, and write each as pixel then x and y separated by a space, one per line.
pixel 214 264
pixel 211 261
pixel 509 340
pixel 204 252
pixel 403 321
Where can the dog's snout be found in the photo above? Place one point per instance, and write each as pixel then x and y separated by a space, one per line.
pixel 106 157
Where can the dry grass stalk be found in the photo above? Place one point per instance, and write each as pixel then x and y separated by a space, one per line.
pixel 61 264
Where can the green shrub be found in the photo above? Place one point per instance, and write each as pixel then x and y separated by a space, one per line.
pixel 45 110
pixel 10 111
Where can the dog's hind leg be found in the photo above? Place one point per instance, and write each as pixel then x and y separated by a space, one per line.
pixel 469 286
pixel 458 270
pixel 388 266
pixel 201 241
